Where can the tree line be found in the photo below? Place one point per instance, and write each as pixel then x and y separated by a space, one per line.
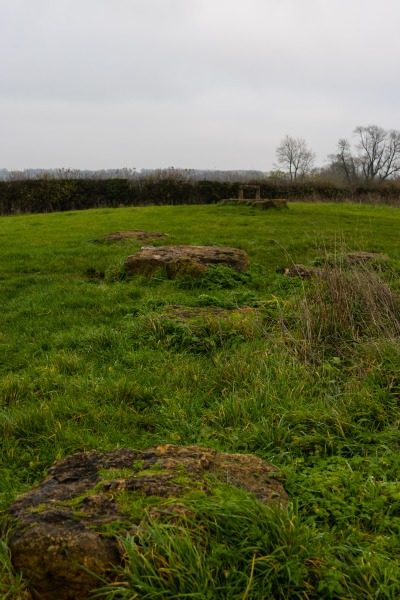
pixel 370 173
pixel 50 195
pixel 376 157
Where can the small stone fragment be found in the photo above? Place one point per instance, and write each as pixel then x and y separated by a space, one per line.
pixel 302 271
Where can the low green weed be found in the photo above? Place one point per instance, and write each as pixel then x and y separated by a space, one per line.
pixel 12 584
pixel 270 554
pixel 273 553
pixel 339 308
pixel 216 277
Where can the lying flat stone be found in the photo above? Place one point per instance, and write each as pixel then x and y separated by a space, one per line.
pixel 278 203
pixel 263 203
pixel 65 528
pixel 202 323
pixel 190 313
pixel 329 264
pixel 139 234
pixel 361 257
pixel 302 271
pixel 184 260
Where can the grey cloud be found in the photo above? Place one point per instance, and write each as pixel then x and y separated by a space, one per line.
pixel 179 71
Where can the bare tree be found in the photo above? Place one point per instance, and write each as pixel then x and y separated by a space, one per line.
pixel 344 162
pixel 379 151
pixel 293 155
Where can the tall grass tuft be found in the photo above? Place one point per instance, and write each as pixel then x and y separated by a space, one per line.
pixel 233 547
pixel 12 584
pixel 339 307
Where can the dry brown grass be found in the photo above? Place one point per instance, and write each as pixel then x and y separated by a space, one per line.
pixel 343 305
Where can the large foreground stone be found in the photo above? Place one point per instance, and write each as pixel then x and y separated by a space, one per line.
pixel 65 528
pixel 184 260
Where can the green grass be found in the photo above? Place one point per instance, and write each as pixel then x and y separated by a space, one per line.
pixel 90 362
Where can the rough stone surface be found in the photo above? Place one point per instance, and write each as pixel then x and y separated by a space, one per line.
pixel 278 203
pixel 184 260
pixel 361 257
pixel 61 525
pixel 350 260
pixel 191 313
pixel 121 236
pixel 302 271
pixel 264 203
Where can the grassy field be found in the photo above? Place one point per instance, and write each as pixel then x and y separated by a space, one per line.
pixel 309 380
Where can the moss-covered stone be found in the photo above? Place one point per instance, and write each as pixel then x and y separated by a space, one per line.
pixel 178 261
pixel 67 528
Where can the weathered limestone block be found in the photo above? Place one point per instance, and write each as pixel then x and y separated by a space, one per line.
pixel 184 260
pixel 65 528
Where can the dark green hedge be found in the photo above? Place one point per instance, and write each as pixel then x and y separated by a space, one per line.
pixel 49 195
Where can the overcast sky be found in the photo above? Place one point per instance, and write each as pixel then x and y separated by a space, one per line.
pixel 213 84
